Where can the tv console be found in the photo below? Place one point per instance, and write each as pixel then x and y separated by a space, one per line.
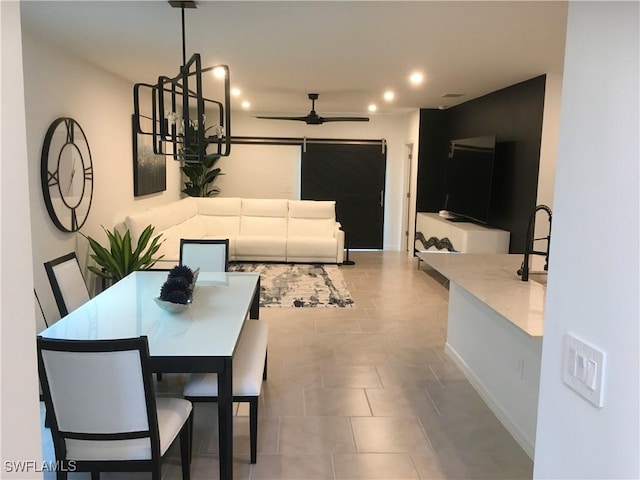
pixel 435 233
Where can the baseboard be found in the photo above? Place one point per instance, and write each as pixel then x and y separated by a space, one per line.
pixel 527 444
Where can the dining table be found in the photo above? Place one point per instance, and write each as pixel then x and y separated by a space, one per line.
pixel 200 338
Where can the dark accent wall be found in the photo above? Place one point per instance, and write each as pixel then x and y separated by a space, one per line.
pixel 514 115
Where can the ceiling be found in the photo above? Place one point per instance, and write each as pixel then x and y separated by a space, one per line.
pixel 349 52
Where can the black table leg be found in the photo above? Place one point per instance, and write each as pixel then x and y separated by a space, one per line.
pixel 225 420
pixel 254 312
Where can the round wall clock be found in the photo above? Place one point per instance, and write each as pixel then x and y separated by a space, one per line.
pixel 66 173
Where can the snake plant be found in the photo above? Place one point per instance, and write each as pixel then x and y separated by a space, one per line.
pixel 120 259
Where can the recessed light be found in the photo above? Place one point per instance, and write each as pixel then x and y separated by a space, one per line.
pixel 246 104
pixel 388 95
pixel 236 91
pixel 416 78
pixel 372 108
pixel 219 72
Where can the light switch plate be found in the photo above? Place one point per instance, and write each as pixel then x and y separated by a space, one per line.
pixel 583 368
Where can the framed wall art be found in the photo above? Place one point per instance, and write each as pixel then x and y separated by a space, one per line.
pixel 149 169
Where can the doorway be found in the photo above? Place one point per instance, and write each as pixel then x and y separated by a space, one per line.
pixel 353 176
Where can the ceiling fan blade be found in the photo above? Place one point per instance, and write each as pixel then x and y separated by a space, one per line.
pixel 345 119
pixel 300 119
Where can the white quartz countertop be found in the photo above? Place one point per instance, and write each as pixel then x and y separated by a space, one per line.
pixel 492 278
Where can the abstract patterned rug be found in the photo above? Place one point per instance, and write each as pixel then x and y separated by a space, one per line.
pixel 299 285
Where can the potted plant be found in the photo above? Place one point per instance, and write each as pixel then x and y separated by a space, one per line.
pixel 200 175
pixel 120 259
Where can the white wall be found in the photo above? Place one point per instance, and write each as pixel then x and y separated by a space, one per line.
pixel 396 129
pixel 20 419
pixel 259 171
pixel 549 140
pixel 413 139
pixel 593 281
pixel 56 85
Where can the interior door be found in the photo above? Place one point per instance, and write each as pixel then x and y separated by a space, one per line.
pixel 353 176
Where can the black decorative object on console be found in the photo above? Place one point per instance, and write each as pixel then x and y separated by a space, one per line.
pixel 439 243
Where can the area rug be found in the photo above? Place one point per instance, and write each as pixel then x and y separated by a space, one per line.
pixel 299 285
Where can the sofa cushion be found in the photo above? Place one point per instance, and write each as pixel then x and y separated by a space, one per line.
pixel 261 246
pixel 219 206
pixel 309 227
pixel 311 247
pixel 190 228
pixel 220 226
pixel 312 209
pixel 268 207
pixel 263 226
pixel 161 217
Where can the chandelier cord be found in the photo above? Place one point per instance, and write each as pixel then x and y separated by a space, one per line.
pixel 184 41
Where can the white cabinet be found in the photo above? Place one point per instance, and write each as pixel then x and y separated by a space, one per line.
pixel 465 237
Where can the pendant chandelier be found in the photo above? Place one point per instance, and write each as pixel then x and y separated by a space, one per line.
pixel 181 120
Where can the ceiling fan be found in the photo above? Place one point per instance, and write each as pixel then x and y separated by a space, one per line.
pixel 314 119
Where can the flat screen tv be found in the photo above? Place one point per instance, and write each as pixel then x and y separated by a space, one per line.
pixel 469 176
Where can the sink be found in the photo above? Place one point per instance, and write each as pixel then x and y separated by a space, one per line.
pixel 539 277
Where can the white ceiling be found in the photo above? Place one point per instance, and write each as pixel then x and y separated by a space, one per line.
pixel 349 51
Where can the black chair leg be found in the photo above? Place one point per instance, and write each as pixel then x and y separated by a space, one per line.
pixel 264 372
pixel 253 428
pixel 95 475
pixel 185 448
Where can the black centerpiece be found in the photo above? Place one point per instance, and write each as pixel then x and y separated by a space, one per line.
pixel 178 288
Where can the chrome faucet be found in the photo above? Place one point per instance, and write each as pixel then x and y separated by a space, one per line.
pixel 529 243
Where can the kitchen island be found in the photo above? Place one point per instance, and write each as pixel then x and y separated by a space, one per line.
pixel 494 334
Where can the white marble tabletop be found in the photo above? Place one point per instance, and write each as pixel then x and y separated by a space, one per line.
pixel 492 278
pixel 208 328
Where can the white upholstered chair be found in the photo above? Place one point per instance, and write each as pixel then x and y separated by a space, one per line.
pixel 207 255
pixel 102 409
pixel 249 371
pixel 67 283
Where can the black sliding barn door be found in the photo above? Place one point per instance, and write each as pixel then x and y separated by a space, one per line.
pixel 353 176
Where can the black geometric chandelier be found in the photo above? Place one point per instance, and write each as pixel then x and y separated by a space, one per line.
pixel 180 118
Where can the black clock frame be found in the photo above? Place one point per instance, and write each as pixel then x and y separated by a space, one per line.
pixel 51 179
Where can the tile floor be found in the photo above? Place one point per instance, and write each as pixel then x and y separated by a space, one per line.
pixel 359 393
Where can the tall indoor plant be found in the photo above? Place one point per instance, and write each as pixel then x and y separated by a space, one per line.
pixel 200 176
pixel 121 258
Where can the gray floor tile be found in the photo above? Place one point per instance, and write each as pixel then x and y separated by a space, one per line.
pixel 293 467
pixel 389 435
pixel 358 393
pixel 313 435
pixel 374 466
pixel 335 402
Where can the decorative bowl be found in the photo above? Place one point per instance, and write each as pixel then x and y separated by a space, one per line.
pixel 172 307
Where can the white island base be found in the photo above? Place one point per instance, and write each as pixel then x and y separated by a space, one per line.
pixel 494 334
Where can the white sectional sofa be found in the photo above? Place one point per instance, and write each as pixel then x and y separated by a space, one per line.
pixel 275 230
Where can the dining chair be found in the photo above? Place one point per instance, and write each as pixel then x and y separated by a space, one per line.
pixel 249 371
pixel 207 255
pixel 104 415
pixel 67 282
